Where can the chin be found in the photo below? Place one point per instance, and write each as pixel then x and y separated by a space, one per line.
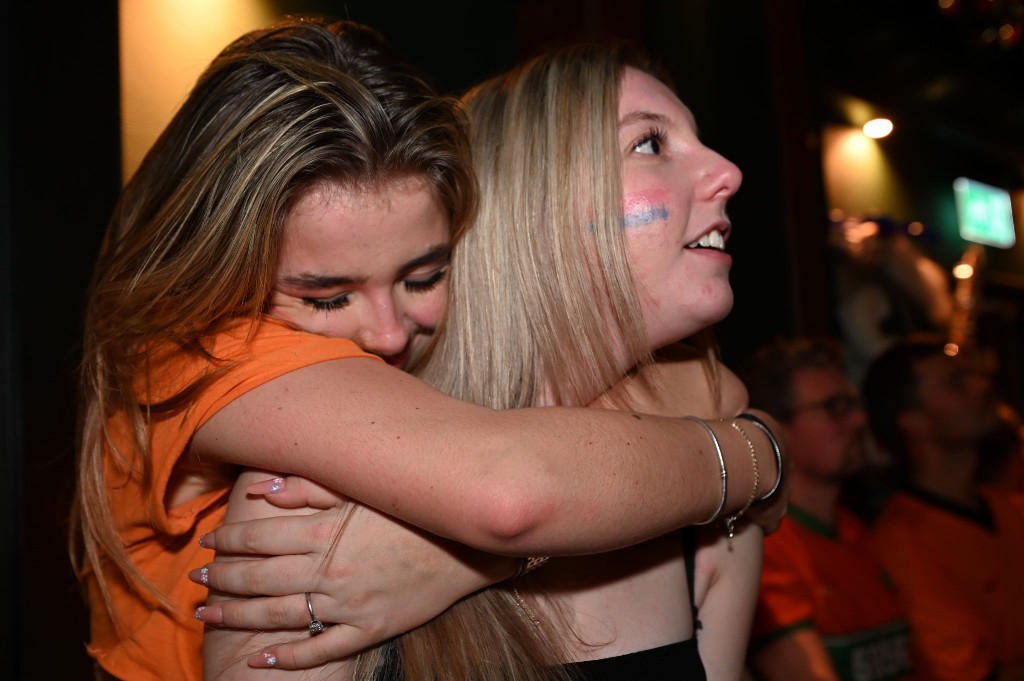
pixel 715 309
pixel 690 318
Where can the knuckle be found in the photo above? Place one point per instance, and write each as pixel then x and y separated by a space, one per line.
pixel 323 533
pixel 280 615
pixel 254 579
pixel 358 601
pixel 377 630
pixel 251 539
pixel 323 651
pixel 334 572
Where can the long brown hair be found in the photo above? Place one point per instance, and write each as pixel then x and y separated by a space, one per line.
pixel 193 242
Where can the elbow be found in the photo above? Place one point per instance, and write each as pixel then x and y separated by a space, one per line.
pixel 513 520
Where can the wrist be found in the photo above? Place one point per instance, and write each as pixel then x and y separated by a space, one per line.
pixel 742 478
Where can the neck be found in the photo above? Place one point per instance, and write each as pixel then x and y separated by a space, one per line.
pixel 946 472
pixel 818 498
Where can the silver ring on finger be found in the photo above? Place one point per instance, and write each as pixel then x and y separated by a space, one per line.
pixel 315 625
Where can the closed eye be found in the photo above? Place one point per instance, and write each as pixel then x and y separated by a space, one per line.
pixel 327 304
pixel 428 284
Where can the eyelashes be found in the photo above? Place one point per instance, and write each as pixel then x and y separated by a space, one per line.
pixel 411 285
pixel 428 284
pixel 651 143
pixel 327 305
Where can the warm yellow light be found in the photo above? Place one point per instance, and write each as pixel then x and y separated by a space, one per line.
pixel 951 349
pixel 165 45
pixel 945 4
pixel 878 128
pixel 963 271
pixel 915 229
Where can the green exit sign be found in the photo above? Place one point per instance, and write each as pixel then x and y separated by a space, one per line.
pixel 984 213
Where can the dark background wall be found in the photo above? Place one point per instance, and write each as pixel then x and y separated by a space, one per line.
pixel 61 176
pixel 753 71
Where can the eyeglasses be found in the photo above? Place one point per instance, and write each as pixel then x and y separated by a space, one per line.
pixel 836 406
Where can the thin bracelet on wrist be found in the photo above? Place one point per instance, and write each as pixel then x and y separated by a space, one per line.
pixel 731 520
pixel 775 448
pixel 721 463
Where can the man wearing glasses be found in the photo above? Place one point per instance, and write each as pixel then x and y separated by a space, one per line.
pixel 824 611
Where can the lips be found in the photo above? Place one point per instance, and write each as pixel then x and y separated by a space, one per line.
pixel 714 239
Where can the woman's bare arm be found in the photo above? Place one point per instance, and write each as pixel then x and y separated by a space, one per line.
pixel 519 482
pixel 676 383
pixel 728 573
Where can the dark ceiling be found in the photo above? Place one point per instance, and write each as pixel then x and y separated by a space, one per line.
pixel 955 65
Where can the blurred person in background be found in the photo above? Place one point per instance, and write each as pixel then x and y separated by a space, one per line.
pixel 953 548
pixel 825 611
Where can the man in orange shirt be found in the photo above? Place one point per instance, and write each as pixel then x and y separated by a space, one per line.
pixel 954 549
pixel 824 611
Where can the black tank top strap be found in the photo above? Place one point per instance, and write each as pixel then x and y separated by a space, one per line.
pixel 689 537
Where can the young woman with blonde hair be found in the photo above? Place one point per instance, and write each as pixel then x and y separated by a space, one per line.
pixel 308 192
pixel 599 240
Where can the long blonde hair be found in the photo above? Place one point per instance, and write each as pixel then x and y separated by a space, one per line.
pixel 543 302
pixel 193 243
pixel 543 297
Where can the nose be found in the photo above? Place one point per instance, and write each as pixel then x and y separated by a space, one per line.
pixel 721 178
pixel 384 330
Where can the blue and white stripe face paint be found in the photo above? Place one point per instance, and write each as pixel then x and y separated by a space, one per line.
pixel 642 209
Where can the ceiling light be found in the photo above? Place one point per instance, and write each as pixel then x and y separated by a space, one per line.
pixel 963 271
pixel 878 128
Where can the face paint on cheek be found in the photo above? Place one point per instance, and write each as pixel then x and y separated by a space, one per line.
pixel 640 209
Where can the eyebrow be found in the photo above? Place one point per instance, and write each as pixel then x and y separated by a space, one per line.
pixel 644 117
pixel 651 117
pixel 312 281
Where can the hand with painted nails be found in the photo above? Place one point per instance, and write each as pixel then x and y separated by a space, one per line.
pixel 378 579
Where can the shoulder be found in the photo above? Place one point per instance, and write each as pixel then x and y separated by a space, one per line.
pixel 1007 509
pixel 246 338
pixel 242 347
pixel 900 511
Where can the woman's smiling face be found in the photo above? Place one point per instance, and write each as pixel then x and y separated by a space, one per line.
pixel 674 193
pixel 370 265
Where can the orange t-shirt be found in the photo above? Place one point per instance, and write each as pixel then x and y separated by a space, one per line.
pixel 826 579
pixel 961 582
pixel 163 542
